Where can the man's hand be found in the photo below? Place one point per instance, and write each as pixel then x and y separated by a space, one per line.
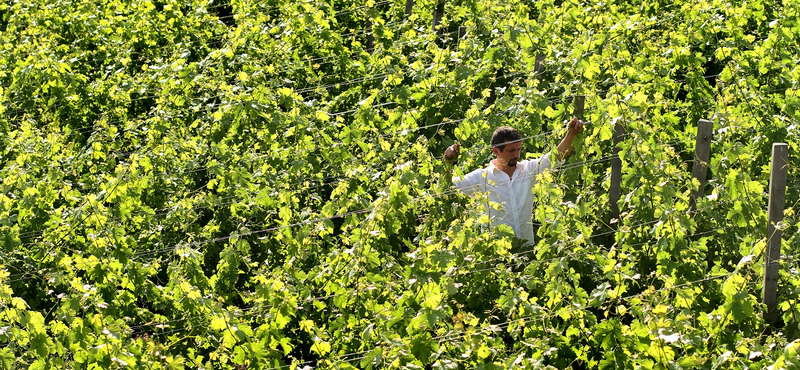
pixel 451 154
pixel 574 127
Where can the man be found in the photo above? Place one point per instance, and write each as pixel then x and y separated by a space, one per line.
pixel 508 181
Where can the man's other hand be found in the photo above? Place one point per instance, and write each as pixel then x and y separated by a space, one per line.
pixel 574 127
pixel 451 154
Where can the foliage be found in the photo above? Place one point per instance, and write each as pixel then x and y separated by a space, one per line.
pixel 245 184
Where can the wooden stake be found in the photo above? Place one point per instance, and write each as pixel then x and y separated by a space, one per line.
pixel 616 170
pixel 437 16
pixel 461 32
pixel 538 68
pixel 702 154
pixel 409 7
pixel 777 200
pixel 580 100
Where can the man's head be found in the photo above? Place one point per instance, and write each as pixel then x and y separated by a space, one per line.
pixel 506 145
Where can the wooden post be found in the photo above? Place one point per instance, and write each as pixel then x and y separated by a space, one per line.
pixel 538 68
pixel 580 100
pixel 616 170
pixel 370 36
pixel 461 32
pixel 438 11
pixel 409 7
pixel 702 154
pixel 777 200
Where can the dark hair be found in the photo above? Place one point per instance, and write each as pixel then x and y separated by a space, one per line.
pixel 504 135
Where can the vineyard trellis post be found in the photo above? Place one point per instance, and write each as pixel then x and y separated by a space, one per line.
pixel 409 7
pixel 462 30
pixel 580 100
pixel 777 200
pixel 438 11
pixel 616 170
pixel 702 154
pixel 538 67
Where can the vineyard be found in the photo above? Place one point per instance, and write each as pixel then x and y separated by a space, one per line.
pixel 260 184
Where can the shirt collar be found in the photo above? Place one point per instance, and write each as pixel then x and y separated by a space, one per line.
pixel 492 167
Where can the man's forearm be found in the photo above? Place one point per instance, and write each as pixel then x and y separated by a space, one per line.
pixel 565 147
pixel 574 128
pixel 446 175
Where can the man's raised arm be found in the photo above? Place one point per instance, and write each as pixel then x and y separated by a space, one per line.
pixel 565 147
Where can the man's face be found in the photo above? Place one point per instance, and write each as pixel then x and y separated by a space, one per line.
pixel 509 155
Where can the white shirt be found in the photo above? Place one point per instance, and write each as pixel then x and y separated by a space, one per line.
pixel 513 195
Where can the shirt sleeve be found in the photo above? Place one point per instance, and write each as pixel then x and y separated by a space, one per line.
pixel 471 183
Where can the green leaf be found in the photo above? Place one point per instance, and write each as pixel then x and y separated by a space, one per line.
pixel 35 322
pixel 307 325
pixel 605 133
pixel 599 295
pixel 18 303
pixel 433 296
pixel 484 352
pixel 7 357
pixel 732 286
pixel 37 365
pixel 218 323
pixel 551 113
pixel 741 307
pixel 321 347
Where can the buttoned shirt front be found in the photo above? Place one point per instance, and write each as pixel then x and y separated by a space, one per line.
pixel 512 196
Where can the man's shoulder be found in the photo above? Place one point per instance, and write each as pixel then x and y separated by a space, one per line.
pixel 534 161
pixel 477 172
pixel 473 176
pixel 537 164
pixel 471 181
